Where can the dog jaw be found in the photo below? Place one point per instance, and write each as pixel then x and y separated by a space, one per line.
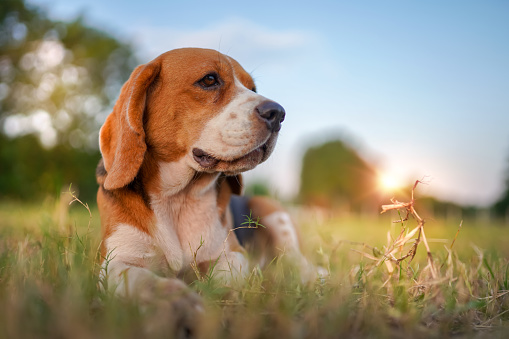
pixel 235 140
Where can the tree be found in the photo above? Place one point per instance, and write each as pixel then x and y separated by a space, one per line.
pixel 334 175
pixel 58 82
pixel 501 207
pixel 258 187
pixel 57 79
pixel 29 171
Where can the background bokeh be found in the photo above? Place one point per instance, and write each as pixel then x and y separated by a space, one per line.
pixel 396 91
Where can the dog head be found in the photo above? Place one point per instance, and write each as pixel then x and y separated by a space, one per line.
pixel 193 106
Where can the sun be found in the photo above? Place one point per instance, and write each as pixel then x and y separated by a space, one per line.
pixel 389 182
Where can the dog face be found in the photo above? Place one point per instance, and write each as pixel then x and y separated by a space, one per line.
pixel 195 106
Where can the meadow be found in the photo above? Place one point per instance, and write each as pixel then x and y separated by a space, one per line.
pixel 49 265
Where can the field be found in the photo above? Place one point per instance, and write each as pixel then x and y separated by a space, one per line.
pixel 49 278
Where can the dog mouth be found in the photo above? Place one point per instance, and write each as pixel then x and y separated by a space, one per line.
pixel 249 160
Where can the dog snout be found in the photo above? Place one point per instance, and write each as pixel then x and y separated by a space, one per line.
pixel 272 114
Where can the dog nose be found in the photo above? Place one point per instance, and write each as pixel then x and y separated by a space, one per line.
pixel 272 113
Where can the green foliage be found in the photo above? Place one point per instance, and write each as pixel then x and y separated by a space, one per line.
pixel 57 79
pixel 30 172
pixel 257 188
pixel 333 174
pixel 501 207
pixel 443 209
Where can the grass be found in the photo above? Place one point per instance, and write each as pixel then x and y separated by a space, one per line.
pixel 49 277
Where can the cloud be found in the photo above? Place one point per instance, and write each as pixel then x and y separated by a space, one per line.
pixel 240 38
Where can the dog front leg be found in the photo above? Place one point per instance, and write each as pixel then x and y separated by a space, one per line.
pixel 126 272
pixel 139 283
pixel 172 305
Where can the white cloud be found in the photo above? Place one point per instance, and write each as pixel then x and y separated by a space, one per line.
pixel 240 38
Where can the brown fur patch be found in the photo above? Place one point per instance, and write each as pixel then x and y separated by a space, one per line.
pixel 122 206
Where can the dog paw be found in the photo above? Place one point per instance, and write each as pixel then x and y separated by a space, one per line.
pixel 173 308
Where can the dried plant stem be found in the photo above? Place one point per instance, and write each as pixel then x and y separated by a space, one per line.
pixel 457 232
pixel 194 262
pixel 410 210
pixel 396 246
pixel 75 198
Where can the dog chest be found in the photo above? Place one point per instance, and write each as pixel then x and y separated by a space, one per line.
pixel 187 225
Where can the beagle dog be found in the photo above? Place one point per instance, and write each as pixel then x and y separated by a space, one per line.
pixel 183 129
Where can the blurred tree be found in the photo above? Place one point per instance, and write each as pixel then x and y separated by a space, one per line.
pixel 431 207
pixel 335 176
pixel 58 81
pixel 29 171
pixel 501 207
pixel 257 188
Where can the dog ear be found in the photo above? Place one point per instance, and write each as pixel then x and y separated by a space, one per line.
pixel 122 137
pixel 236 184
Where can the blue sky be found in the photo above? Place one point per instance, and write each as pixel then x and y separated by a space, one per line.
pixel 422 88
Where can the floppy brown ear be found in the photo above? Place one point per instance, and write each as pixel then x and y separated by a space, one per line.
pixel 236 184
pixel 122 137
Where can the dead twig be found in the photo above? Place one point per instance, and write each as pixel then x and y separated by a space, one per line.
pixel 397 245
pixel 75 198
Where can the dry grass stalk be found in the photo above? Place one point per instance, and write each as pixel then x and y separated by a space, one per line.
pixel 194 262
pixel 75 198
pixel 394 246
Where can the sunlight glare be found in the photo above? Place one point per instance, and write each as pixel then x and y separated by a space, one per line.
pixel 388 182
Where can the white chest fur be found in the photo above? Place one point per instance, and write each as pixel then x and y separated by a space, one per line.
pixel 183 223
pixel 188 218
pixel 185 218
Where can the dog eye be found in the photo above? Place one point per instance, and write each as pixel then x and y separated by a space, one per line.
pixel 208 81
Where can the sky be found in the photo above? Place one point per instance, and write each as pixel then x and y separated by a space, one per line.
pixel 420 88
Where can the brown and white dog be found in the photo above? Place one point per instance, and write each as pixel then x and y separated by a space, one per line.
pixel 183 129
